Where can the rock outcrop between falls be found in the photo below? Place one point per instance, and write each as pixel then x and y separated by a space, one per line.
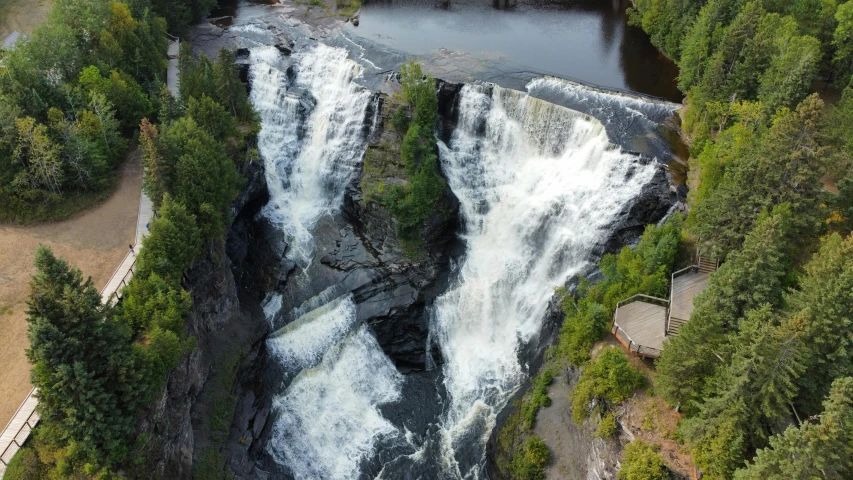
pixel 391 285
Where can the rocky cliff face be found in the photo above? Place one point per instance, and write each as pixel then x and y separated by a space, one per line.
pixel 176 423
pixel 391 283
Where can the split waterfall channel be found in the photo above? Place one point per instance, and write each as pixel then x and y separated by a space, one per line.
pixel 539 186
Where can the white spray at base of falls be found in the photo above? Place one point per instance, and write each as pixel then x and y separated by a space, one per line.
pixel 539 186
pixel 309 161
pixel 328 419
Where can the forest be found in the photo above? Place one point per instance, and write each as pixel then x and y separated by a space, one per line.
pixel 85 88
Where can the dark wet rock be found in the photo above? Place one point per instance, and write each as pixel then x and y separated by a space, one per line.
pixel 448 108
pixel 285 49
pixel 656 199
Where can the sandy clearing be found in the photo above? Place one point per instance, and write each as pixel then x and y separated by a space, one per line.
pixel 22 15
pixel 95 240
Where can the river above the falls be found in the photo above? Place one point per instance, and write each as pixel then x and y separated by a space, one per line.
pixel 588 41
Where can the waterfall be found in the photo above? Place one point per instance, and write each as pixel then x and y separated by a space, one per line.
pixel 539 186
pixel 312 137
pixel 328 419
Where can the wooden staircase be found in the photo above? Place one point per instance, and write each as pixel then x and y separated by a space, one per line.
pixel 674 325
pixel 707 265
pixel 685 284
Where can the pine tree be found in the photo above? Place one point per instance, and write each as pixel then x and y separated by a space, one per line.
pixel 87 374
pixel 823 309
pixel 813 450
pixel 229 89
pixel 785 167
pixel 752 277
pixel 172 246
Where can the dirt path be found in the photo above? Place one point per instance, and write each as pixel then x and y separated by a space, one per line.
pixel 22 15
pixel 95 240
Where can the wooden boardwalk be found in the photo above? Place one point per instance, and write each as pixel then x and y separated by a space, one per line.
pixel 18 429
pixel 642 323
pixel 25 419
pixel 684 289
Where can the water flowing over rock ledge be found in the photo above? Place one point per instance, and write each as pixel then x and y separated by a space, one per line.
pixel 255 289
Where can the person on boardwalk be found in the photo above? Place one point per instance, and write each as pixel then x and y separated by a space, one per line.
pixel 131 249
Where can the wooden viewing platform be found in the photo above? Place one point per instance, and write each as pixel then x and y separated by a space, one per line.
pixel 642 323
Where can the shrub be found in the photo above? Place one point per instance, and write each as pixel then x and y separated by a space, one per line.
pixel 538 398
pixel 25 465
pixel 643 462
pixel 609 380
pixel 607 426
pixel 530 464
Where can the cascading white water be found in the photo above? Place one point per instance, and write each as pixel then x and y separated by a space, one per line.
pixel 538 186
pixel 328 419
pixel 308 162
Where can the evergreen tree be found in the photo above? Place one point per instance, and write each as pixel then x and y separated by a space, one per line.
pixel 822 309
pixel 812 450
pixel 229 89
pixel 752 277
pixel 785 167
pixel 87 374
pixel 171 248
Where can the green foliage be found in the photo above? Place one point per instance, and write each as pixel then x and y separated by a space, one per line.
pixel 211 466
pixel 181 14
pixel 74 86
pixel 416 202
pixel 642 461
pixel 401 121
pixel 530 464
pixel 218 80
pixel 212 117
pixel 820 309
pixel 784 167
pixel 751 278
pixel 538 396
pixel 88 375
pixel 25 465
pixel 607 381
pixel 813 450
pixel 122 91
pixel 607 427
pixel 645 269
pixel 843 42
pixel 173 244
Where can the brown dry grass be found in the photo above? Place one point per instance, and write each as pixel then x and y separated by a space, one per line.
pixel 22 15
pixel 95 240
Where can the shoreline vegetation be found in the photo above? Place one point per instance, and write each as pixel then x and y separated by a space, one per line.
pixel 761 373
pixel 96 71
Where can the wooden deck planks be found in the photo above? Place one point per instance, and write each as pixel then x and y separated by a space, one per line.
pixel 644 322
pixel 684 288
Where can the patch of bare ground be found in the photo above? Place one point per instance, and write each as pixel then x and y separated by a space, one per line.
pixel 96 240
pixel 650 419
pixel 576 453
pixel 22 15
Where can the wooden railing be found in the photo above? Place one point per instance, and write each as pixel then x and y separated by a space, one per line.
pixel 17 431
pixel 633 346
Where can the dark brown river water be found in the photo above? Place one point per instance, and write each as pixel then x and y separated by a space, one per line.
pixel 588 41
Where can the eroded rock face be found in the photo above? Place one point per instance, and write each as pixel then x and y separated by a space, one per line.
pixel 175 422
